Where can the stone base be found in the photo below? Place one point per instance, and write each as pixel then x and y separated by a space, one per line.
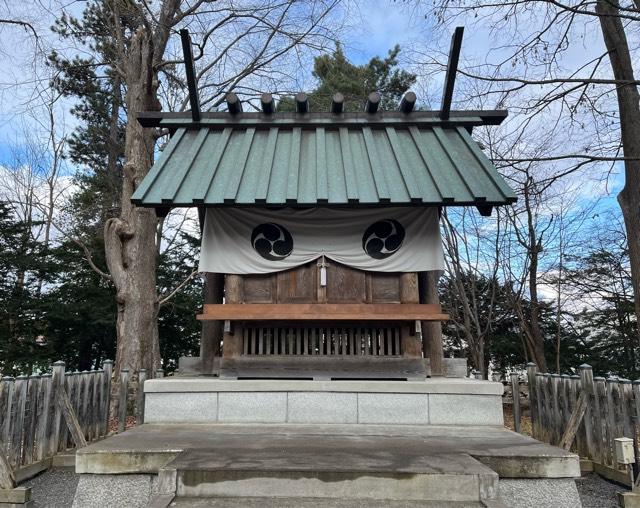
pixel 326 466
pixel 19 497
pixel 629 499
pixel 125 491
pixel 192 366
pixel 539 493
pixel 431 402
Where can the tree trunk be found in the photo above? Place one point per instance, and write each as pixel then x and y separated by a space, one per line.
pixel 130 238
pixel 629 198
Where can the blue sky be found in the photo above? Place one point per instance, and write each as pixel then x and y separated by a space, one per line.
pixel 384 24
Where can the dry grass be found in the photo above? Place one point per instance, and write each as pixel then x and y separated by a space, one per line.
pixel 113 424
pixel 525 420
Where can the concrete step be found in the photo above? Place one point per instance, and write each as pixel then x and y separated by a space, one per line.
pixel 299 502
pixel 313 471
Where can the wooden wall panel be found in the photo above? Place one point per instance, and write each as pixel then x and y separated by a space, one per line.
pixel 345 285
pixel 260 288
pixel 297 285
pixel 384 287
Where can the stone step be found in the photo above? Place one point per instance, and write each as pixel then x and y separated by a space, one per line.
pixel 299 502
pixel 315 472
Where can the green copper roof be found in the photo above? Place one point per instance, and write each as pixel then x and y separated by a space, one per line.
pixel 307 164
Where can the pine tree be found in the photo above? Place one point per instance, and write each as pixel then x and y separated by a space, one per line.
pixel 335 73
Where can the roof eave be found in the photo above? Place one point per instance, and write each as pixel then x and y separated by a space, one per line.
pixel 174 120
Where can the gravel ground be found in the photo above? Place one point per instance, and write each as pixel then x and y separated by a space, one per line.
pixel 56 488
pixel 596 492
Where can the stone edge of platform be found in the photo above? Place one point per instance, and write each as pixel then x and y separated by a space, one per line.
pixel 444 385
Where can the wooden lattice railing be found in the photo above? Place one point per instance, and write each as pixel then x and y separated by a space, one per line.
pixel 322 340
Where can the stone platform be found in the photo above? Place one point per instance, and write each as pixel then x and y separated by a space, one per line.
pixel 439 401
pixel 149 447
pixel 333 465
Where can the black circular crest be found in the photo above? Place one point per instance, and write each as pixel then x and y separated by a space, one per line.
pixel 272 241
pixel 383 238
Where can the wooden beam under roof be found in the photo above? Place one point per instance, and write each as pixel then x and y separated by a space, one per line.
pixel 302 102
pixel 234 105
pixel 408 102
pixel 267 104
pixel 174 120
pixel 373 102
pixel 337 103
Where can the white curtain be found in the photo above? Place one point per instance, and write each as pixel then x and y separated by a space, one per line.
pixel 246 241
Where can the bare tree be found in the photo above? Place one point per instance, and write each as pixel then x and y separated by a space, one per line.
pixel 239 48
pixel 472 247
pixel 574 116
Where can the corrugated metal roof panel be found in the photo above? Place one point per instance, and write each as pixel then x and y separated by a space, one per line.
pixel 306 166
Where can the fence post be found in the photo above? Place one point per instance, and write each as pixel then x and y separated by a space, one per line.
pixel 555 403
pixel 159 373
pixel 142 377
pixel 57 382
pixel 6 390
pixel 105 399
pixel 19 403
pixel 542 420
pixel 580 439
pixel 533 399
pixel 122 402
pixel 548 409
pixel 626 401
pixel 28 451
pixel 85 404
pixel 636 423
pixel 44 421
pixel 515 395
pixel 612 389
pixel 586 385
pixel 95 404
pixel 565 382
pixel 599 417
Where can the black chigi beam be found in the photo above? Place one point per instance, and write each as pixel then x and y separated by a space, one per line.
pixel 302 102
pixel 373 102
pixel 266 102
pixel 233 103
pixel 337 103
pixel 452 69
pixel 408 102
pixel 191 74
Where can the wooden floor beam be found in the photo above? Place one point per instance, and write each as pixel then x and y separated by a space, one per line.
pixel 323 312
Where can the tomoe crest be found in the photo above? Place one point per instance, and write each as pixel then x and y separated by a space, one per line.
pixel 383 238
pixel 272 241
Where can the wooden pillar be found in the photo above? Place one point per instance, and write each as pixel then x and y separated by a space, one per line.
pixel 432 330
pixel 411 345
pixel 211 337
pixel 233 291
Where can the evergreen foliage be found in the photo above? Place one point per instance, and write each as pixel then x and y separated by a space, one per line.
pixel 335 73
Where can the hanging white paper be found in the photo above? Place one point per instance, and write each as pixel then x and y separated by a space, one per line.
pixel 246 241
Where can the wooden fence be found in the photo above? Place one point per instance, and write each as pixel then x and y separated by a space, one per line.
pixel 580 412
pixel 41 416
